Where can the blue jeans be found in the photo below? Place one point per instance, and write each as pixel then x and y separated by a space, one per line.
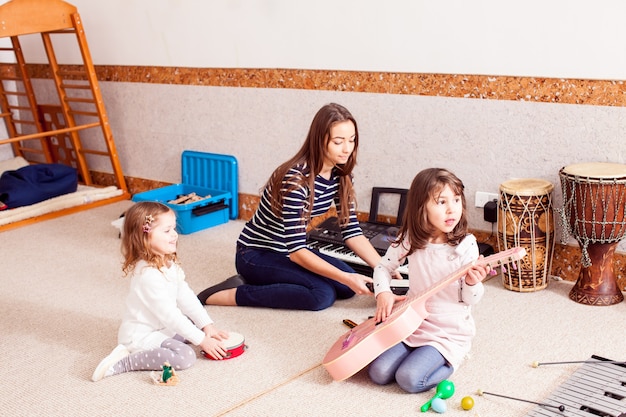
pixel 273 280
pixel 414 369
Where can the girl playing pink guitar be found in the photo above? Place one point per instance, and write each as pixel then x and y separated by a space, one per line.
pixel 435 241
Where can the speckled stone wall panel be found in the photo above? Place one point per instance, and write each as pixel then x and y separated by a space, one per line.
pixel 547 90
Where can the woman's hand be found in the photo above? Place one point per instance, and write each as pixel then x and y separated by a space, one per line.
pixel 358 284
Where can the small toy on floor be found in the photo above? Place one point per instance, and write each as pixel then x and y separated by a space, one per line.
pixel 445 390
pixel 167 377
pixel 438 405
pixel 467 403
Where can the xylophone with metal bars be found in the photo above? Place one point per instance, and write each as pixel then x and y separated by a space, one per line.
pixel 596 389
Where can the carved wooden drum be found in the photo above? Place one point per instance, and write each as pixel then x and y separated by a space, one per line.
pixel 594 196
pixel 526 219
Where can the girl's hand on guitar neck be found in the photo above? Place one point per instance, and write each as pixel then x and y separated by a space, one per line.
pixel 384 305
pixel 477 273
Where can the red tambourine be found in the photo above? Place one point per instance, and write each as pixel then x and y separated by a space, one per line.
pixel 235 346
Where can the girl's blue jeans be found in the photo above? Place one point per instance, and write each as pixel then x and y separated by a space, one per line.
pixel 414 369
pixel 273 280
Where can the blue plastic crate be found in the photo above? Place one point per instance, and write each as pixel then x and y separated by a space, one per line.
pixel 205 174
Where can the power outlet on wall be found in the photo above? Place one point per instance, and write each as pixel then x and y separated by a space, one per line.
pixel 483 198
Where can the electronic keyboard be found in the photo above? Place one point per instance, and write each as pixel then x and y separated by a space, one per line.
pixel 326 238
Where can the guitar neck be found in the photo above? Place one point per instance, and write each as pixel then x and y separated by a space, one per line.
pixel 495 260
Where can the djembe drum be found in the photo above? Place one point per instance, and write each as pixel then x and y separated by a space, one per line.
pixel 525 219
pixel 594 196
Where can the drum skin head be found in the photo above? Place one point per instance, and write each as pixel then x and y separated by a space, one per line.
pixel 600 170
pixel 526 186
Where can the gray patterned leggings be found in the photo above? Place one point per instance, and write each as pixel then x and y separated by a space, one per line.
pixel 179 354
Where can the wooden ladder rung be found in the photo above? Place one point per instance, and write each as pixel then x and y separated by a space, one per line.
pixel 19 108
pixel 23 122
pixel 68 30
pixel 79 100
pixel 9 78
pixel 93 152
pixel 76 86
pixel 66 72
pixel 53 132
pixel 84 113
pixel 14 93
pixel 31 150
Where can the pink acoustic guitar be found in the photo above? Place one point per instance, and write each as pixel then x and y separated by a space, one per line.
pixel 363 343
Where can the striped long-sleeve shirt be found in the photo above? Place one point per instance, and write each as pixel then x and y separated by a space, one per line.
pixel 287 234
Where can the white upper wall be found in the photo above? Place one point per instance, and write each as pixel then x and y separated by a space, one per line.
pixel 556 39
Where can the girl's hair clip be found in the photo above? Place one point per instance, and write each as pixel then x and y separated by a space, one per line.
pixel 147 223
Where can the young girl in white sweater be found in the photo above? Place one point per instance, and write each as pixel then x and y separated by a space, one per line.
pixel 162 312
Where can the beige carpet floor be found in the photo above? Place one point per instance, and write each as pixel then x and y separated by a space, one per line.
pixel 62 296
